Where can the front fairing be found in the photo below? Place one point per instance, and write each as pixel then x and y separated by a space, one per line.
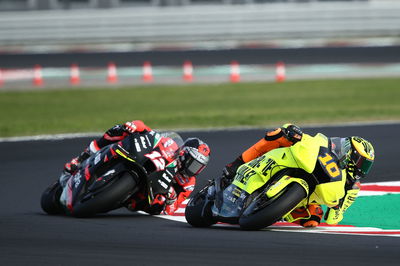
pixel 136 146
pixel 249 181
pixel 156 152
pixel 228 204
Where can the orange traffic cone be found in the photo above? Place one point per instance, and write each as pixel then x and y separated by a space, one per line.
pixel 112 76
pixel 280 74
pixel 147 72
pixel 74 75
pixel 235 72
pixel 188 71
pixel 37 76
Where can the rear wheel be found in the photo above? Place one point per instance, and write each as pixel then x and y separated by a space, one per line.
pixel 111 196
pixel 50 200
pixel 274 208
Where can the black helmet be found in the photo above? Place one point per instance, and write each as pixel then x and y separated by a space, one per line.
pixel 193 157
pixel 355 154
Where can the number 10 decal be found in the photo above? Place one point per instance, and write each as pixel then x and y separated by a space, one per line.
pixel 157 159
pixel 330 165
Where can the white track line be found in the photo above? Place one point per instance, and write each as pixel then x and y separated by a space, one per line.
pixel 97 134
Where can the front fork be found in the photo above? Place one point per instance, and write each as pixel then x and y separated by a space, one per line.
pixel 71 184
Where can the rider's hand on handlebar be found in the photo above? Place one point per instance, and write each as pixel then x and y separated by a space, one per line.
pixel 292 133
pixel 135 126
pixel 130 127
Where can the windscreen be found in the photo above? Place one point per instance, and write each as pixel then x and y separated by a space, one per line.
pixel 230 203
pixel 173 135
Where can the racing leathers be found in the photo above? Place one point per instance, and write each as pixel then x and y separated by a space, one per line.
pixel 311 215
pixel 181 186
pixel 284 136
pixel 180 190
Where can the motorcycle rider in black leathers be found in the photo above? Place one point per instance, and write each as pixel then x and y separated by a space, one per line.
pixel 193 158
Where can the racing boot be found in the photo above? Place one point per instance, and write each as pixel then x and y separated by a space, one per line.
pixel 306 217
pixel 229 171
pixel 72 166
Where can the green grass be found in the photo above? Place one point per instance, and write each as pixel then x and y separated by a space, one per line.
pixel 199 106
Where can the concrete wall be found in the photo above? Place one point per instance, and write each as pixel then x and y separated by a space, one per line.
pixel 201 25
pixel 71 4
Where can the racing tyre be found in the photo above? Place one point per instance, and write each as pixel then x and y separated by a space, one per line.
pixel 198 210
pixel 50 200
pixel 108 198
pixel 274 210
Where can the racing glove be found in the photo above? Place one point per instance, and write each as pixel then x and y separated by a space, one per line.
pixel 117 133
pixel 292 133
pixel 182 189
pixel 135 126
pixel 171 203
pixel 334 215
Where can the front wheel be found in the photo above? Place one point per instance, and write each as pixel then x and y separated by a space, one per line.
pixel 274 209
pixel 50 200
pixel 198 210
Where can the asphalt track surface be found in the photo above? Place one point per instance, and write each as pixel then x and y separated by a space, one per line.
pixel 30 237
pixel 313 55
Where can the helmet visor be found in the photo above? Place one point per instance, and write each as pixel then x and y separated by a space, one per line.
pixel 193 167
pixel 363 165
